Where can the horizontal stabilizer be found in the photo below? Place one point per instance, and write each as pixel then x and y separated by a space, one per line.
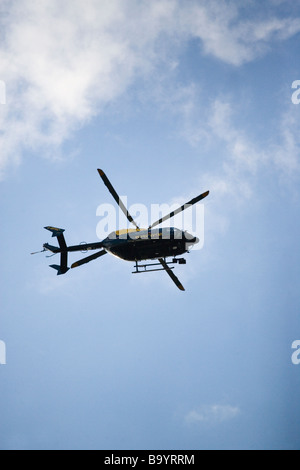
pixel 59 269
pixel 55 231
pixel 53 249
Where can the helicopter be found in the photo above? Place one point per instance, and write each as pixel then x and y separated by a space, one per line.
pixel 136 244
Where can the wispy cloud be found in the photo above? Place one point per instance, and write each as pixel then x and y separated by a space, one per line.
pixel 212 414
pixel 64 62
pixel 225 35
pixel 242 158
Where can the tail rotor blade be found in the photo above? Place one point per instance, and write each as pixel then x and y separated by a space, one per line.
pixel 88 259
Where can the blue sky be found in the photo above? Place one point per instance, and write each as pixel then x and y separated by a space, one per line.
pixel 171 99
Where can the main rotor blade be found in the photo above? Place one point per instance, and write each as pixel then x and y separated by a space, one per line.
pixel 88 258
pixel 171 274
pixel 180 209
pixel 116 197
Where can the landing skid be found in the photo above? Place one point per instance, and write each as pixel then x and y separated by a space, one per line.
pixel 144 268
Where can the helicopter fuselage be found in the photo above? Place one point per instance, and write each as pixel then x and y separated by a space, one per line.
pixel 148 244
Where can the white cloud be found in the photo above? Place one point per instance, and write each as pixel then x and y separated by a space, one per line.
pixel 242 162
pixel 234 40
pixel 212 414
pixel 242 159
pixel 64 62
pixel 239 159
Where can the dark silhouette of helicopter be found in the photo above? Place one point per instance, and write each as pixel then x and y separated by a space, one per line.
pixel 134 244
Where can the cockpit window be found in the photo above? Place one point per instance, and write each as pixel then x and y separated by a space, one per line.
pixel 177 234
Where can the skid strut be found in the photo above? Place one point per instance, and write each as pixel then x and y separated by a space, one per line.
pixel 143 268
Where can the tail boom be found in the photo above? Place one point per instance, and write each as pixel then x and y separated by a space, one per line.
pixel 63 249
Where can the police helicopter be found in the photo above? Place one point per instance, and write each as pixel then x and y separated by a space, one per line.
pixel 136 245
